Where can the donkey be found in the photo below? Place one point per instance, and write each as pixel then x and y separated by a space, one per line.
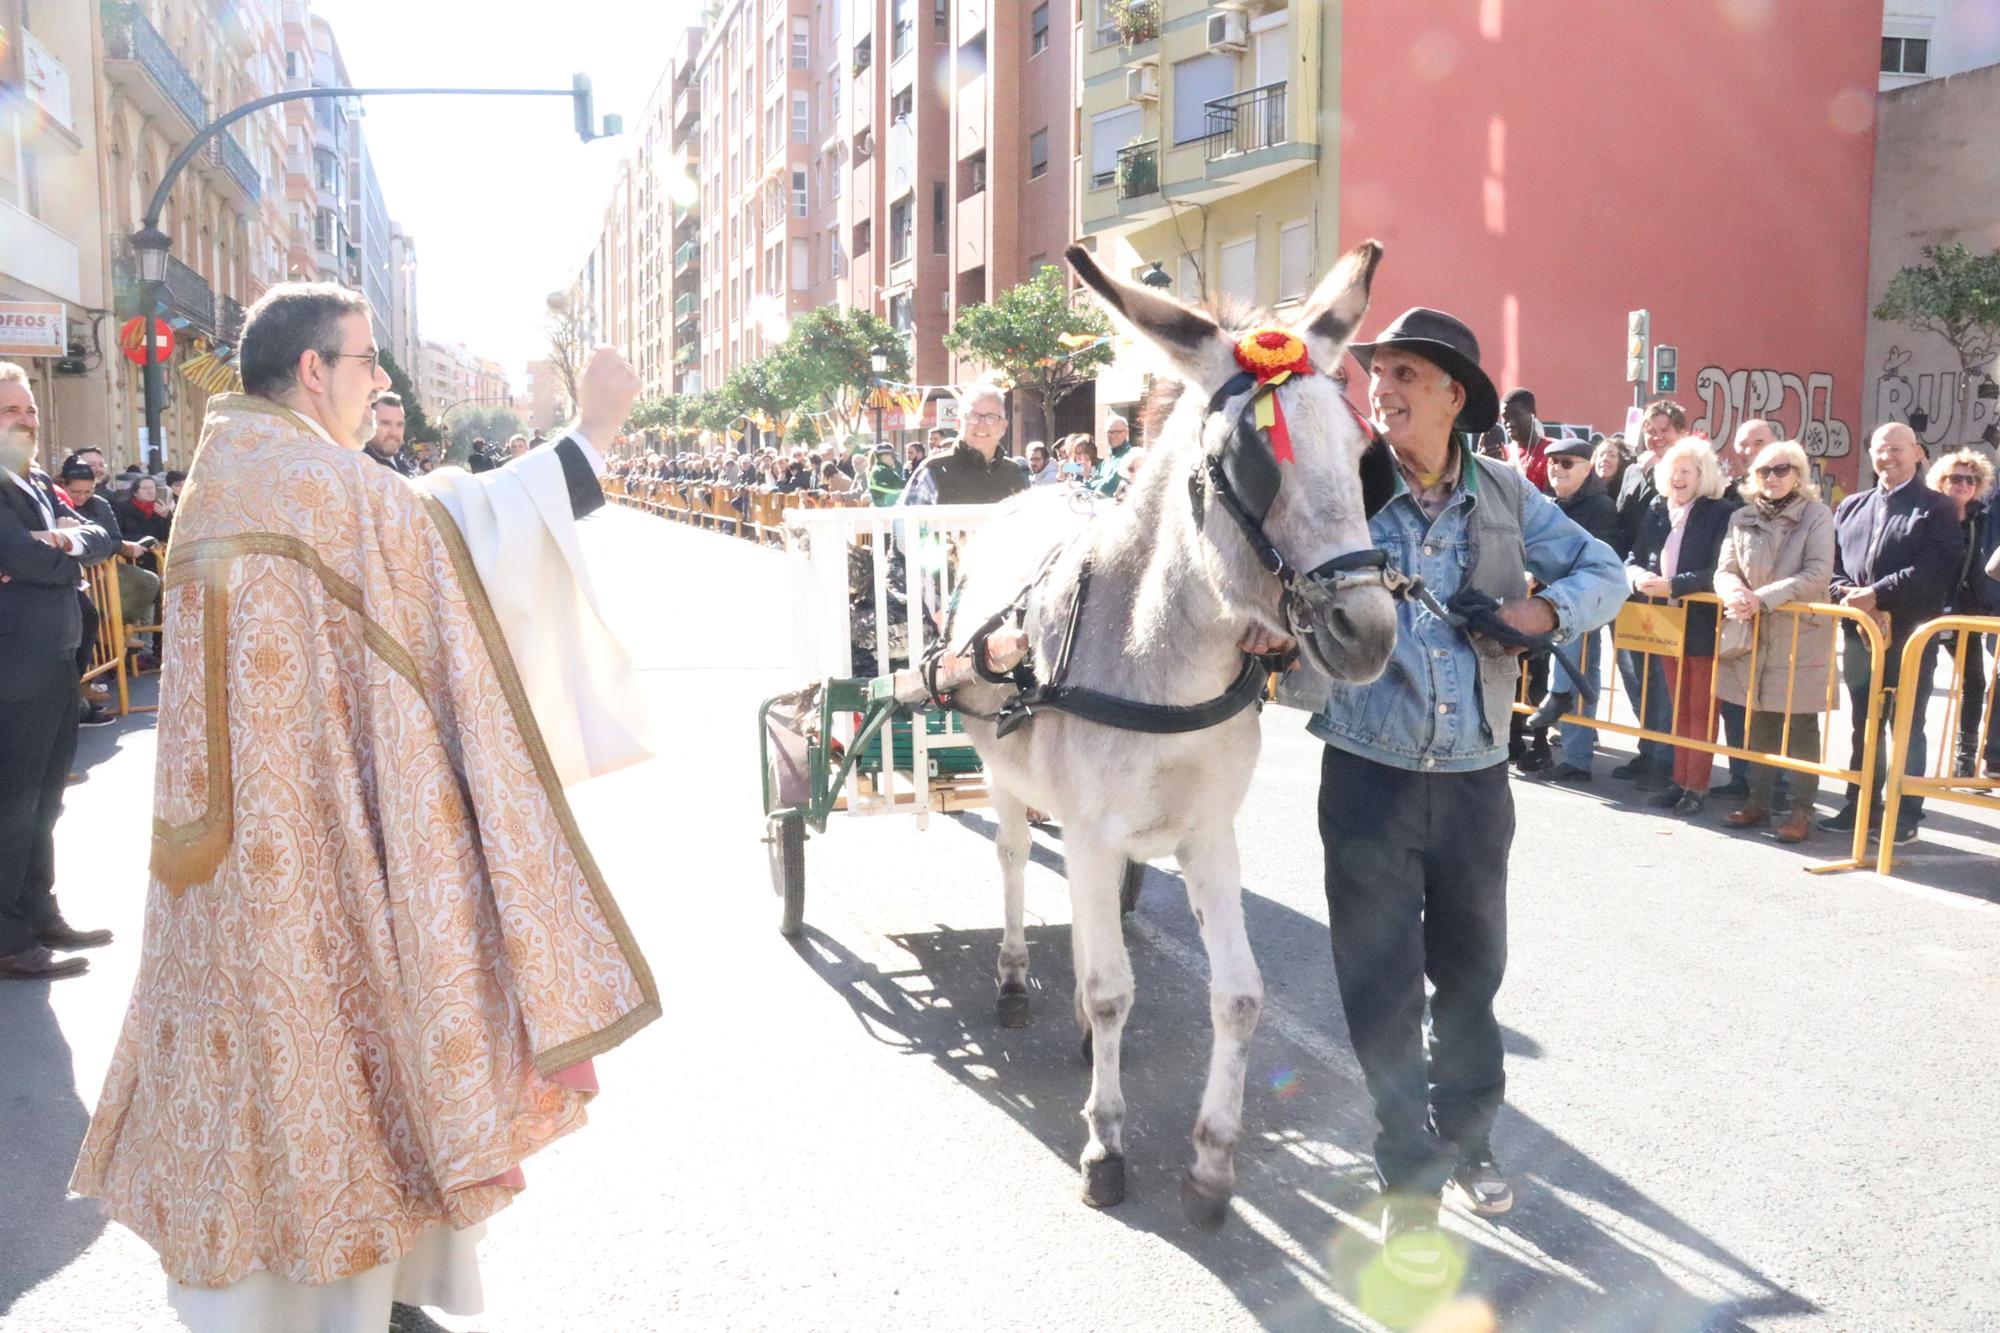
pixel 1174 583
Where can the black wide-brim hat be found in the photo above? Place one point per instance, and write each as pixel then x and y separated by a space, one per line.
pixel 1446 341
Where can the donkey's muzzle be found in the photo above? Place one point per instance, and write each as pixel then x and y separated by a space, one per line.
pixel 1343 613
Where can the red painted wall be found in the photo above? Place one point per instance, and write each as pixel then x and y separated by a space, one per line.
pixel 1539 169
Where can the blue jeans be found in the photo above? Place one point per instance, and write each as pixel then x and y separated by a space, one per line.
pixel 1578 743
pixel 1659 714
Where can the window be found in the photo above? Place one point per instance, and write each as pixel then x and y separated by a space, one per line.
pixel 798 194
pixel 902 227
pixel 1906 55
pixel 1109 133
pixel 1107 30
pixel 863 237
pixel 801 43
pixel 905 29
pixel 1239 269
pixel 902 312
pixel 833 249
pixel 801 117
pixel 772 65
pixel 1038 29
pixel 940 219
pixel 812 195
pixel 1198 82
pixel 833 174
pixel 801 258
pixel 832 96
pixel 1294 260
pixel 1038 153
pixel 972 175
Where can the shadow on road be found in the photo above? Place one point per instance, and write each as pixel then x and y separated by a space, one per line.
pixel 41 1126
pixel 1583 1248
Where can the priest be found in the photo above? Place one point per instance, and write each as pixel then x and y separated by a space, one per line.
pixel 378 955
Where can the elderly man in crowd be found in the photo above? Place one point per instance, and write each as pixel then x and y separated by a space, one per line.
pixel 1581 495
pixel 1415 811
pixel 1897 549
pixel 43 549
pixel 973 471
pixel 138 589
pixel 1110 475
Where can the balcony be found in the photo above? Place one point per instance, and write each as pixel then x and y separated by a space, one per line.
pixel 1138 170
pixel 232 170
pixel 139 60
pixel 185 295
pixel 687 109
pixel 228 319
pixel 36 254
pixel 971 233
pixel 685 305
pixel 687 351
pixel 687 256
pixel 1246 122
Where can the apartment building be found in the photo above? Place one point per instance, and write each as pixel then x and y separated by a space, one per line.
pixel 678 208
pixel 368 230
pixel 405 336
pixel 1934 39
pixel 53 260
pixel 165 71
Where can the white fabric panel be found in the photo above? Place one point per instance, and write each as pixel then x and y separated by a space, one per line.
pixel 440 1270
pixel 1239 269
pixel 1111 131
pixel 1196 83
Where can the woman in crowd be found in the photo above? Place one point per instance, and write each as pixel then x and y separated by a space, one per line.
pixel 1966 479
pixel 1083 453
pixel 143 513
pixel 1679 540
pixel 1608 461
pixel 1779 549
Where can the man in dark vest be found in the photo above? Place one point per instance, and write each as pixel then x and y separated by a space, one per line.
pixel 973 471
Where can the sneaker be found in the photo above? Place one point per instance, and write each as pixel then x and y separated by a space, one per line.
pixel 1906 832
pixel 97 715
pixel 1480 1187
pixel 1536 758
pixel 1690 803
pixel 1569 774
pixel 1415 1250
pixel 1840 821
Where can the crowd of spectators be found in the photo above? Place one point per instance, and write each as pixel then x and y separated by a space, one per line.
pixel 1745 522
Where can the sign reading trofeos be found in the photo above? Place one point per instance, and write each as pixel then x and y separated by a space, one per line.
pixel 33 328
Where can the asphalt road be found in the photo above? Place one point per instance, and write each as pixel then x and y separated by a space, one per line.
pixel 1740 1095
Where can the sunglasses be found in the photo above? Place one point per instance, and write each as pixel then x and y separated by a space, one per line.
pixel 1567 461
pixel 1961 479
pixel 1771 470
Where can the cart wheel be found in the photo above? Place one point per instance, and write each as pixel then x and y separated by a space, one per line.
pixel 1128 890
pixel 787 840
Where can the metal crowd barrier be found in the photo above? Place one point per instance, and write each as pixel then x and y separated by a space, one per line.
pixel 752 512
pixel 1939 784
pixel 1611 694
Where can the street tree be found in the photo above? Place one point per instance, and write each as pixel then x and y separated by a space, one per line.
pixel 1039 337
pixel 825 363
pixel 1954 294
pixel 567 327
pixel 494 424
pixel 755 390
pixel 417 427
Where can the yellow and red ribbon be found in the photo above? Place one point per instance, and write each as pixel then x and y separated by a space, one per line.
pixel 1273 356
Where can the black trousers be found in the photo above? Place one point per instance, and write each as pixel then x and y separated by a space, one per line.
pixel 1416 887
pixel 1857 670
pixel 37 743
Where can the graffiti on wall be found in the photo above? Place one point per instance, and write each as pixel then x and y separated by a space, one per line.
pixel 1803 404
pixel 1930 403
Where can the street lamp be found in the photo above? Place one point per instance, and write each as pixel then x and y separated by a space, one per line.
pixel 149 252
pixel 879 360
pixel 1156 277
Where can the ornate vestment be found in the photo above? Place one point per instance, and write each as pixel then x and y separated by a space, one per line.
pixel 374 936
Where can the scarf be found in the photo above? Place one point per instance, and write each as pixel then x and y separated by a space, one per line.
pixel 145 507
pixel 1772 508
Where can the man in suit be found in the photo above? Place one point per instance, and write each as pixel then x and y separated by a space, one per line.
pixel 1646 677
pixel 41 559
pixel 1897 549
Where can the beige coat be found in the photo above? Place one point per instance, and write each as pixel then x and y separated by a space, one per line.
pixel 1782 558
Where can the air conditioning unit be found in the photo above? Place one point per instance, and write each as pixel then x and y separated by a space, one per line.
pixel 1227 31
pixel 1142 83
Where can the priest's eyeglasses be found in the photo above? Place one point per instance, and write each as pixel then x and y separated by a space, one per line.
pixel 371 357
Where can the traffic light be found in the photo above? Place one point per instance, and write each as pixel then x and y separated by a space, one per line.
pixel 1638 332
pixel 1666 368
pixel 586 114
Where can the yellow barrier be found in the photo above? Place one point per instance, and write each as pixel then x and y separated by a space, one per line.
pixel 1798 613
pixel 759 518
pixel 1939 784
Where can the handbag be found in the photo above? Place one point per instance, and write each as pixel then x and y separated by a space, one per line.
pixel 1651 627
pixel 1735 638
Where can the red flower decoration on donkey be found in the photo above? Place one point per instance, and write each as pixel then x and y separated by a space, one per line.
pixel 1273 356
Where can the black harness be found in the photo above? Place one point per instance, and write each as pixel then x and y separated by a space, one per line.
pixel 1245 477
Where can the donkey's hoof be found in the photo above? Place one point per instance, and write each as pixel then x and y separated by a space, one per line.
pixel 1013 1005
pixel 1204 1207
pixel 1104 1182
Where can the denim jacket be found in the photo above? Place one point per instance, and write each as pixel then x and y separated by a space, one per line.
pixel 1441 705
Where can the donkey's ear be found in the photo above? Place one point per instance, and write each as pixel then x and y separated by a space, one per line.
pixel 1335 310
pixel 1195 343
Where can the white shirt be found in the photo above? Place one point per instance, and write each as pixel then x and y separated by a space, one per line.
pixel 72 544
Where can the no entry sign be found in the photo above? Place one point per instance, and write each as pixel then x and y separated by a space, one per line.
pixel 132 340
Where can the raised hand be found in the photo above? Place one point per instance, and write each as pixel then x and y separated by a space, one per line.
pixel 604 395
